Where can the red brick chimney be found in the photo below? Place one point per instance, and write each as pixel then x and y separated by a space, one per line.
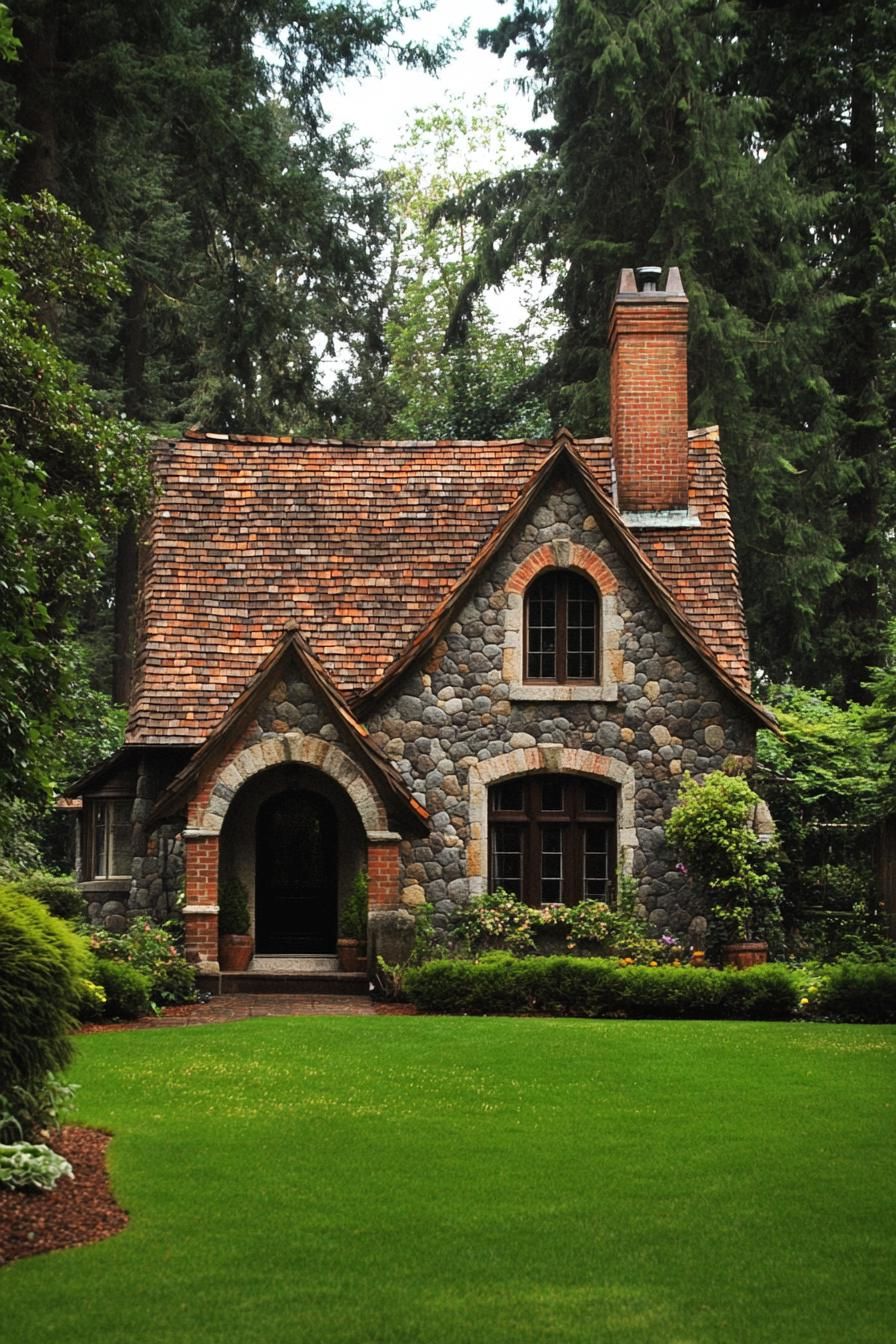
pixel 649 390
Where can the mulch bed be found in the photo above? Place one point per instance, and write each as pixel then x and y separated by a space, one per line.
pixel 75 1213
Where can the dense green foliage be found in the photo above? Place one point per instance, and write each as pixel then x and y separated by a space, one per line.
pixel 558 1162
pixel 733 869
pixel 61 895
pixel 752 145
pixel 825 781
pixel 855 991
pixel 127 990
pixel 353 917
pixel 42 962
pixel 192 138
pixel 153 951
pixel 600 987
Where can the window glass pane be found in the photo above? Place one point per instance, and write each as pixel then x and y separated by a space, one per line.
pixel 508 797
pixel 541 618
pixel 599 798
pixel 581 612
pixel 507 858
pixel 119 837
pixel 596 865
pixel 99 840
pixel 551 863
pixel 552 795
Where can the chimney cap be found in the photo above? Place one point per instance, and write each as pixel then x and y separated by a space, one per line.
pixel 642 286
pixel 648 278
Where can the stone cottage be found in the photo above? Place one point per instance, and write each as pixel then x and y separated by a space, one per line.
pixel 457 665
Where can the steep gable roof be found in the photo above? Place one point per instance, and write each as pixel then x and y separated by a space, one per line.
pixel 290 646
pixel 361 543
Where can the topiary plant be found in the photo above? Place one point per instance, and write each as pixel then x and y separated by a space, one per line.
pixel 353 920
pixel 233 907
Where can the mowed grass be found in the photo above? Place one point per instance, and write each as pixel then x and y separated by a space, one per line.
pixel 427 1180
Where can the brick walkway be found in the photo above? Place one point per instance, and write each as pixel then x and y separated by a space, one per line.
pixel 236 1007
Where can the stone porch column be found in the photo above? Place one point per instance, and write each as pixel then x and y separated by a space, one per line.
pixel 201 906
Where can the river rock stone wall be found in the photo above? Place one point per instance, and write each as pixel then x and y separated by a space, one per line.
pixel 669 716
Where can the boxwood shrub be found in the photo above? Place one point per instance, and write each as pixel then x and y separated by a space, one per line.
pixel 600 987
pixel 855 991
pixel 128 991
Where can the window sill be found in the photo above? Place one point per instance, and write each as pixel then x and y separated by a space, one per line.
pixel 563 694
pixel 109 884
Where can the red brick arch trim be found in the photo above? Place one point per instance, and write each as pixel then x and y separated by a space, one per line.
pixel 563 555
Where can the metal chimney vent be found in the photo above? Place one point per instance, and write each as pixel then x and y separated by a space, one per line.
pixel 648 278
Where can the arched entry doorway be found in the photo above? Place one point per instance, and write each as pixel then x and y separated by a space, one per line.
pixel 296 867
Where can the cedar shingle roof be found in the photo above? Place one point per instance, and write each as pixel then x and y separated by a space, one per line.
pixel 359 543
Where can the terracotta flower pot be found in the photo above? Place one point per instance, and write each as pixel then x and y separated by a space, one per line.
pixel 742 955
pixel 349 951
pixel 235 951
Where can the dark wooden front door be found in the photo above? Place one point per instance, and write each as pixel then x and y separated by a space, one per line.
pixel 295 874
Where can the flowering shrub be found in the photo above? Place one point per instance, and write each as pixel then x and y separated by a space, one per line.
pixel 150 949
pixel 500 921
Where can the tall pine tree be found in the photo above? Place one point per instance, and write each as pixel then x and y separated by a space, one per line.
pixel 676 140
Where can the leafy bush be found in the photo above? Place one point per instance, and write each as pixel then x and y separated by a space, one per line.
pixel 600 987
pixel 42 965
pixel 151 949
pixel 31 1166
pixel 856 991
pixel 61 895
pixel 25 1113
pixel 734 870
pixel 127 990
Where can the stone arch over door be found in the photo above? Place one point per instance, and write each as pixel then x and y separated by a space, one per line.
pixel 296 749
pixel 556 760
pixel 202 842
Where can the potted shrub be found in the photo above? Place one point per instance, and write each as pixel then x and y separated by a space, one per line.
pixel 235 946
pixel 733 868
pixel 352 941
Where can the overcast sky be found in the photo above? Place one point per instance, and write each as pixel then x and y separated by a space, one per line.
pixel 381 106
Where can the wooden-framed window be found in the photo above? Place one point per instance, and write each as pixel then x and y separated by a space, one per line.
pixel 107 838
pixel 561 628
pixel 552 838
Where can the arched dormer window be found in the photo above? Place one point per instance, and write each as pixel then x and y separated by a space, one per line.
pixel 561 626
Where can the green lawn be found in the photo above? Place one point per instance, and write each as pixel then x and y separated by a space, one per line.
pixel 424 1180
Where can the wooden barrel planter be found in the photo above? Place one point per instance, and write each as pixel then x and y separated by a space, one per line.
pixel 742 955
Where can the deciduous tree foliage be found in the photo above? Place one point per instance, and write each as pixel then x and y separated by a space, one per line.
pixel 694 132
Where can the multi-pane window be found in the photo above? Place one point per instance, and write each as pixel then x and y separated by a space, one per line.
pixel 552 838
pixel 561 628
pixel 108 838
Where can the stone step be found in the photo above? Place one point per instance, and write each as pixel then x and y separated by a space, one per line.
pixel 339 983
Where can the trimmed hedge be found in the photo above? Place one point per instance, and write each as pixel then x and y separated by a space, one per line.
pixel 856 991
pixel 127 991
pixel 42 965
pixel 597 987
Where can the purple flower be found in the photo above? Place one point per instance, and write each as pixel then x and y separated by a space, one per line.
pixel 668 940
pixel 680 868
